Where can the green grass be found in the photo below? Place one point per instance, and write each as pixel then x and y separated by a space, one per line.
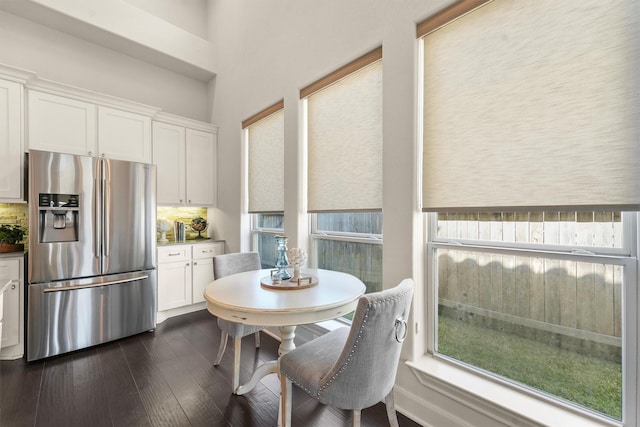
pixel 587 381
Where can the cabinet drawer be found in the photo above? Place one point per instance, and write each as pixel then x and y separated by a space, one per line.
pixel 174 253
pixel 9 270
pixel 207 250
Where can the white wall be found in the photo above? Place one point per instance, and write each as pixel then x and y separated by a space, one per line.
pixel 269 50
pixel 189 15
pixel 60 57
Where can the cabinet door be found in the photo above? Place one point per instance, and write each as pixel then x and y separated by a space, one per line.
pixel 202 276
pixel 174 285
pixel 201 168
pixel 11 141
pixel 169 157
pixel 10 272
pixel 61 124
pixel 123 135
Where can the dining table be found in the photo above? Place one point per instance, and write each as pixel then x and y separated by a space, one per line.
pixel 253 298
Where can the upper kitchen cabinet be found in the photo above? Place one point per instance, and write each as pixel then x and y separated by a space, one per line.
pixel 185 154
pixel 201 169
pixel 169 156
pixel 11 141
pixel 60 124
pixel 123 135
pixel 75 125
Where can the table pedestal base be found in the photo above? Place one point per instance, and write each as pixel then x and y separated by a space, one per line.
pixel 287 335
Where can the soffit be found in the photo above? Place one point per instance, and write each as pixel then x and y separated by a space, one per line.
pixel 126 29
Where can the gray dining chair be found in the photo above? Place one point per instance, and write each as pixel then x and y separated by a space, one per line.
pixel 224 265
pixel 353 368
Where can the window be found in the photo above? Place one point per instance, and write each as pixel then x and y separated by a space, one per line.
pixel 264 229
pixel 529 181
pixel 264 136
pixel 344 145
pixel 351 243
pixel 536 299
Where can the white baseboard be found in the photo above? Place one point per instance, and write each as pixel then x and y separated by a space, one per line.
pixel 167 314
pixel 423 411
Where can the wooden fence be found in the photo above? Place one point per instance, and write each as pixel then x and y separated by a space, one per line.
pixel 576 299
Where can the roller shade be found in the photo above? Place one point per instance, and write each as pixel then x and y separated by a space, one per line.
pixel 345 142
pixel 531 105
pixel 266 160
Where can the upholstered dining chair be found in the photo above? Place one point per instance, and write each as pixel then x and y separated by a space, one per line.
pixel 353 368
pixel 224 265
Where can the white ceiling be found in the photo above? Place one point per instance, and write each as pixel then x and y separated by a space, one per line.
pixel 120 26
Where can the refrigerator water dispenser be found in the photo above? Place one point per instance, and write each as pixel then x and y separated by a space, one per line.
pixel 58 219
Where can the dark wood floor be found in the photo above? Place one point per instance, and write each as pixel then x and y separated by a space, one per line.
pixel 160 378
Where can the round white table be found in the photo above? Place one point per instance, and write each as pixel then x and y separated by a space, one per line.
pixel 240 298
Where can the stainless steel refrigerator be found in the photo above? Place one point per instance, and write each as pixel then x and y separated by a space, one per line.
pixel 92 252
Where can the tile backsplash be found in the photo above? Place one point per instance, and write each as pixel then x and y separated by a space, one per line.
pixel 15 214
pixel 18 214
pixel 183 214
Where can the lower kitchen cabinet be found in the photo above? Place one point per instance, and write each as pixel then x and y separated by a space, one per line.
pixel 184 271
pixel 12 342
pixel 174 277
pixel 202 275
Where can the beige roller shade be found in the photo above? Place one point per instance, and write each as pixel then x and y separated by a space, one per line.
pixel 266 160
pixel 531 105
pixel 345 143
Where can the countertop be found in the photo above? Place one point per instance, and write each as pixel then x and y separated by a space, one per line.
pixel 7 255
pixel 189 242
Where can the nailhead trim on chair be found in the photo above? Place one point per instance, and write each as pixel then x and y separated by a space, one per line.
pixel 353 349
pixel 355 345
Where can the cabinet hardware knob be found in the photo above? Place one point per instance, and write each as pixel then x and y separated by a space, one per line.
pixel 195 263
pixel 90 153
pixel 13 286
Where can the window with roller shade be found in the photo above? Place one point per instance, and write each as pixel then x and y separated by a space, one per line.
pixel 264 133
pixel 344 162
pixel 530 118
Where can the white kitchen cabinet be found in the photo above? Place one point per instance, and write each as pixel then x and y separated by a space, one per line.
pixel 169 157
pixel 201 170
pixel 186 161
pixel 123 135
pixel 174 276
pixel 68 125
pixel 184 271
pixel 60 124
pixel 12 343
pixel 11 141
pixel 202 265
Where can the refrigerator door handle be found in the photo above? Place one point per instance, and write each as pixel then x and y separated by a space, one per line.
pixel 97 213
pixel 107 204
pixel 94 285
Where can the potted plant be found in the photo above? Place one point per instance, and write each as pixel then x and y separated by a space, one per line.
pixel 10 236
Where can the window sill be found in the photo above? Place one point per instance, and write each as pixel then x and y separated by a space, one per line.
pixel 505 404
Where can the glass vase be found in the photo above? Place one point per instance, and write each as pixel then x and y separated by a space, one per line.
pixel 282 261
